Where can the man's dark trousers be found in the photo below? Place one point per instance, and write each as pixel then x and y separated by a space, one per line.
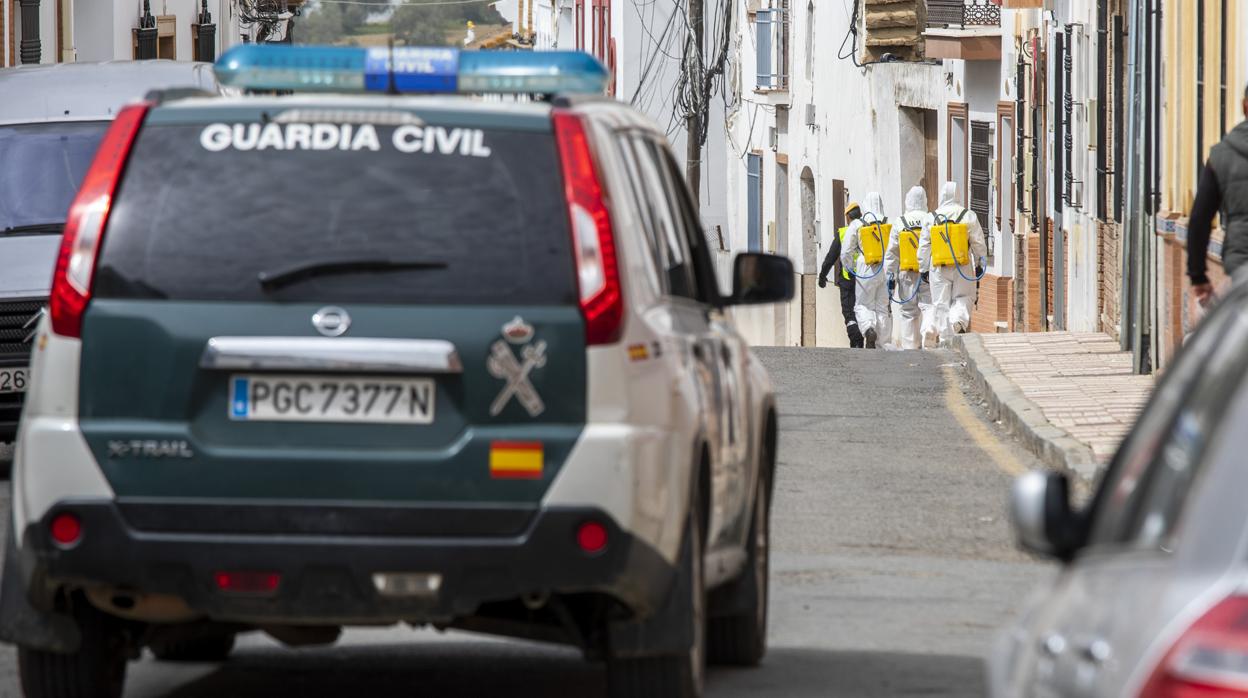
pixel 848 297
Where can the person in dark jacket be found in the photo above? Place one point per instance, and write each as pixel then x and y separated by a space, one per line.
pixel 1223 190
pixel 844 281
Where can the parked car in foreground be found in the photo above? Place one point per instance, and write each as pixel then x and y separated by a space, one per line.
pixel 52 117
pixel 1152 601
pixel 314 361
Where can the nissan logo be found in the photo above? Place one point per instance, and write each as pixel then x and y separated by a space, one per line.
pixel 331 321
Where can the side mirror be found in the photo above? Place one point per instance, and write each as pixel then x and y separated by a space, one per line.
pixel 1041 514
pixel 761 278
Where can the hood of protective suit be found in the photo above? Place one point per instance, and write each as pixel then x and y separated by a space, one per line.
pixel 1237 139
pixel 873 204
pixel 916 199
pixel 948 194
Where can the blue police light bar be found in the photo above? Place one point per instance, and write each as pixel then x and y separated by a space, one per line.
pixel 408 69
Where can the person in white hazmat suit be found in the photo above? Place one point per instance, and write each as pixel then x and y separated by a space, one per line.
pixel 906 285
pixel 952 249
pixel 866 240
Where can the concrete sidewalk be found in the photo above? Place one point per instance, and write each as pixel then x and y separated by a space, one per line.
pixel 1071 397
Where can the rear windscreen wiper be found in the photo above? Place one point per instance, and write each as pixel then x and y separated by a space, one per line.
pixel 33 229
pixel 306 270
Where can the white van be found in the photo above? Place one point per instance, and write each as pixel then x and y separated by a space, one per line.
pixel 52 118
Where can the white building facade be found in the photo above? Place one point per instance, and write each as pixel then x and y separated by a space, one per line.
pixel 840 99
pixel 50 31
pixel 642 43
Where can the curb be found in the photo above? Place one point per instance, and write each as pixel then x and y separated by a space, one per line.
pixel 1007 404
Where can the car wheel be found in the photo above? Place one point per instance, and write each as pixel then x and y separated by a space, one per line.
pixel 672 676
pixel 96 670
pixel 740 639
pixel 213 647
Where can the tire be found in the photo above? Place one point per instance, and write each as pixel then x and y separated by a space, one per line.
pixel 740 639
pixel 205 648
pixel 672 676
pixel 96 670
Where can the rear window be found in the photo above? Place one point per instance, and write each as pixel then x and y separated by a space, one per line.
pixel 41 166
pixel 463 215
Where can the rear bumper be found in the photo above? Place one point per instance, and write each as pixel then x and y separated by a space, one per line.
pixel 329 578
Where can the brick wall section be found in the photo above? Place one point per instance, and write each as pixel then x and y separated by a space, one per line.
pixel 1109 283
pixel 1174 266
pixel 1180 297
pixel 984 314
pixel 996 299
pixel 1048 266
pixel 1031 294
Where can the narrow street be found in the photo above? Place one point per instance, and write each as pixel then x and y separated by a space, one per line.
pixel 892 565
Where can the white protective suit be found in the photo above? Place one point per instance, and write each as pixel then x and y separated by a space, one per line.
pixel 915 307
pixel 953 291
pixel 871 304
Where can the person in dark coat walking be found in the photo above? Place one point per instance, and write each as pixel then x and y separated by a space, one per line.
pixel 844 281
pixel 1223 190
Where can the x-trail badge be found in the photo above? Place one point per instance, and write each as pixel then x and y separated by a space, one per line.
pixel 331 321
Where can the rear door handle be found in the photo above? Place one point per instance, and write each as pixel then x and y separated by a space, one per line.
pixel 331 354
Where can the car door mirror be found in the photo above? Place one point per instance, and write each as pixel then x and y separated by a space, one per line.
pixel 761 278
pixel 1041 514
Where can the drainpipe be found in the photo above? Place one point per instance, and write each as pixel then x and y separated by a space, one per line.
pixel 1020 193
pixel 1149 360
pixel 1061 183
pixel 1128 317
pixel 1143 182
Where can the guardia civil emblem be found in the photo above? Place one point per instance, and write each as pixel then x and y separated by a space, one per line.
pixel 514 370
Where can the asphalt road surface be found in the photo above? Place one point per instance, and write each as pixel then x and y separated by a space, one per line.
pixel 892 564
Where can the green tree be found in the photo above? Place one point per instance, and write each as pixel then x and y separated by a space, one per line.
pixel 332 22
pixel 422 26
pixel 318 24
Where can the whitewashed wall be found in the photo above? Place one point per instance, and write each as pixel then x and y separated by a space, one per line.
pixel 102 30
pixel 857 137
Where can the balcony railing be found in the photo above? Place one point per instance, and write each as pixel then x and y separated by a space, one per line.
pixel 963 13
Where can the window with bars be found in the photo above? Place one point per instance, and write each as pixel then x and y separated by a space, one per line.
pixel 602 28
pixel 578 13
pixel 754 201
pixel 772 27
pixel 981 177
pixel 963 13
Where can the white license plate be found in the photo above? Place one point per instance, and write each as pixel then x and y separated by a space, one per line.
pixel 381 399
pixel 14 380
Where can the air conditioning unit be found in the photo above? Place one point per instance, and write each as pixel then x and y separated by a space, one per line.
pixel 810 115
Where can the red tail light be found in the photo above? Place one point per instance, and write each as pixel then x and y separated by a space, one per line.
pixel 591 537
pixel 66 529
pixel 248 582
pixel 598 275
pixel 1210 659
pixel 84 228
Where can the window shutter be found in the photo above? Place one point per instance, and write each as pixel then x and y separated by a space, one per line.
pixel 763 25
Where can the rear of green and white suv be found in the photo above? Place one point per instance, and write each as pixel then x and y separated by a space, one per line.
pixel 313 362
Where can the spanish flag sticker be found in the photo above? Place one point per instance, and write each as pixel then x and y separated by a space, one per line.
pixel 516 460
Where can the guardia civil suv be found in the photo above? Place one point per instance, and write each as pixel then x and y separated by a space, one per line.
pixel 321 360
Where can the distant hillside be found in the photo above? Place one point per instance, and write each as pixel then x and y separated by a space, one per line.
pixel 410 23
